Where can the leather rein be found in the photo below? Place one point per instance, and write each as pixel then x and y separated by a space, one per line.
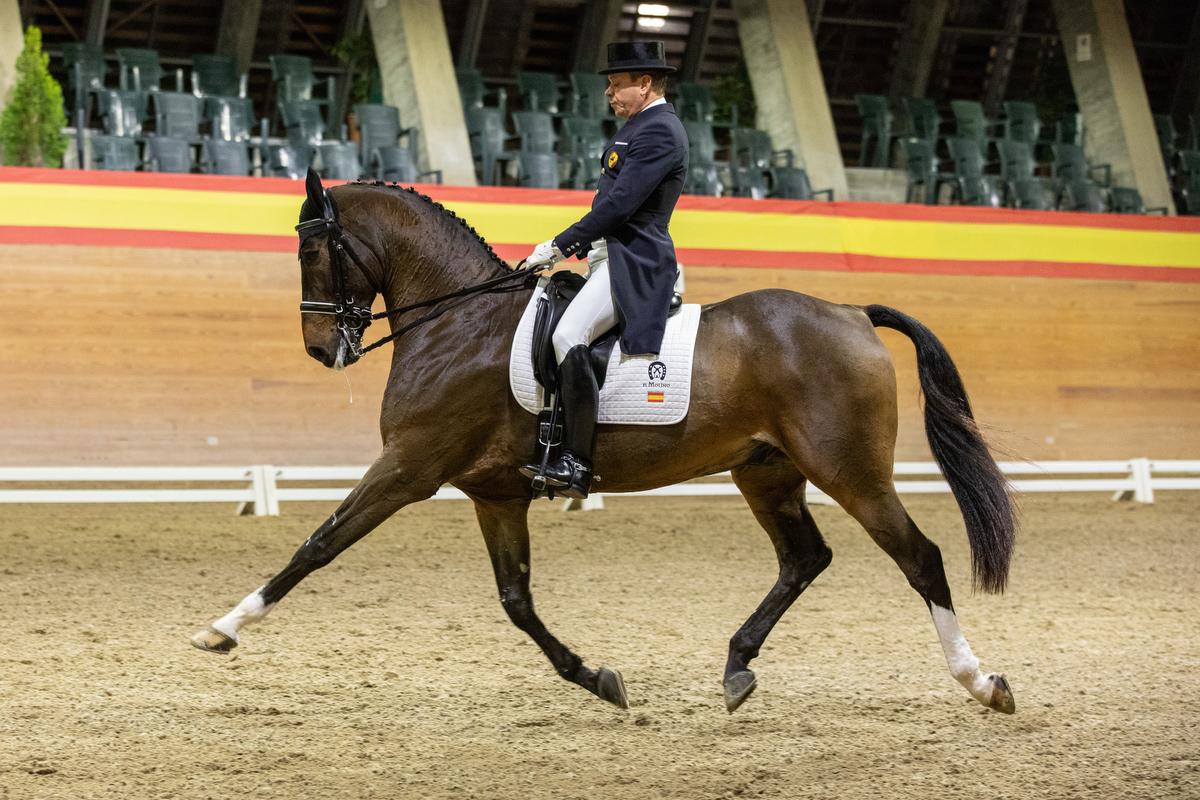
pixel 353 319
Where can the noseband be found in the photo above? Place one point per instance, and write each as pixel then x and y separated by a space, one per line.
pixel 352 319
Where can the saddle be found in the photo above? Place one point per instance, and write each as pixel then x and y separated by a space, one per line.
pixel 559 293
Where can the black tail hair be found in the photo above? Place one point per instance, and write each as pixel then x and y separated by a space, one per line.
pixel 960 452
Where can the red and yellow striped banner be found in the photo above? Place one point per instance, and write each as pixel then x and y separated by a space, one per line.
pixel 257 214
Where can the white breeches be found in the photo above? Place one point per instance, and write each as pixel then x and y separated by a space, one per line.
pixel 592 313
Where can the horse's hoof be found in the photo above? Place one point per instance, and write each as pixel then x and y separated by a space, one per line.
pixel 738 687
pixel 1002 696
pixel 611 687
pixel 213 641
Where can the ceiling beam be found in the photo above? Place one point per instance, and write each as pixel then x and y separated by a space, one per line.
pixel 697 42
pixel 97 21
pixel 1002 59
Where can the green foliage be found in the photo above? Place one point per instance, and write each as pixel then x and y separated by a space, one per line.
pixel 733 90
pixel 357 52
pixel 31 125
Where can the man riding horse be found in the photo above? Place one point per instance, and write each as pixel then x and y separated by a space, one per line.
pixel 631 258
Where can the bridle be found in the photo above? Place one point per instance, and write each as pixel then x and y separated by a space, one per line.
pixel 352 319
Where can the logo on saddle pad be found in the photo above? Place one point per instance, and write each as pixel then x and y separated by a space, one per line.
pixel 657 371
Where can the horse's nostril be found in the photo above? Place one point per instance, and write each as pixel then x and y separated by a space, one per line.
pixel 318 352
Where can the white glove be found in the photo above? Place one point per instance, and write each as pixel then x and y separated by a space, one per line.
pixel 545 254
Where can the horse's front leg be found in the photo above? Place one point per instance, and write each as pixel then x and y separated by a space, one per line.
pixel 506 532
pixel 386 488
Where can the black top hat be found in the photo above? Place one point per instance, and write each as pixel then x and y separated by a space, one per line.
pixel 637 57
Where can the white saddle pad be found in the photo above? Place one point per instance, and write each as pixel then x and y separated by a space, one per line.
pixel 638 390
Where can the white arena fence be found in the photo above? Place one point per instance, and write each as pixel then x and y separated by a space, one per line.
pixel 259 489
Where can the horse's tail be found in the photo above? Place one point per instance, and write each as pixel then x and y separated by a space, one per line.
pixel 960 452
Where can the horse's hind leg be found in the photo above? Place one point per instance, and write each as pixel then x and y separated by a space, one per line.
pixel 885 519
pixel 775 491
pixel 506 532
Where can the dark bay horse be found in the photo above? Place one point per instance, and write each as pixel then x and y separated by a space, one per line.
pixel 787 389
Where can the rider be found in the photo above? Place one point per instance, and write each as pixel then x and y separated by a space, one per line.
pixel 631 258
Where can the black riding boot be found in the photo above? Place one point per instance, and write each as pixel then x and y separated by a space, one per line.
pixel 571 473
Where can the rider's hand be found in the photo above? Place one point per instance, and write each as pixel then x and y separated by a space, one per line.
pixel 545 254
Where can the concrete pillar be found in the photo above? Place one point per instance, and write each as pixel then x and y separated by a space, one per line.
pixel 918 49
pixel 418 78
pixel 1186 100
pixel 789 90
pixel 1111 95
pixel 238 30
pixel 600 26
pixel 12 41
pixel 97 21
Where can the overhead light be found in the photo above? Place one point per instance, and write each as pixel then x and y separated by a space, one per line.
pixel 651 22
pixel 653 10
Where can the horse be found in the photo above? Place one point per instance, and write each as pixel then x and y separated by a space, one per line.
pixel 787 389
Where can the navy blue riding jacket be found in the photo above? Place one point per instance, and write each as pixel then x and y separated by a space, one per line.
pixel 642 173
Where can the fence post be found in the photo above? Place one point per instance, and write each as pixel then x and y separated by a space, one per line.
pixel 269 489
pixel 1144 489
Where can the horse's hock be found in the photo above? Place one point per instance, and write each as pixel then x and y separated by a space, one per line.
pixel 141 356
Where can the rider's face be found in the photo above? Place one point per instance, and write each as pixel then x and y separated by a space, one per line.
pixel 627 94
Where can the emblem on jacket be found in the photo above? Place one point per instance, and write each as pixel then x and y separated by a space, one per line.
pixel 657 371
pixel 612 159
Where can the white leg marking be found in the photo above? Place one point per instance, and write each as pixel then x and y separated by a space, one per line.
pixel 251 609
pixel 964 666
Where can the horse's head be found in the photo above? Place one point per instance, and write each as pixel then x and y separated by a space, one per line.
pixel 335 290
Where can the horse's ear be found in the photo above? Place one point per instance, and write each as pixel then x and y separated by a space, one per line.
pixel 316 192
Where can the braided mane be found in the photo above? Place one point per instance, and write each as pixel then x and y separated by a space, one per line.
pixel 445 212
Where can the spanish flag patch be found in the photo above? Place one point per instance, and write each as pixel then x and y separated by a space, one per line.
pixel 654 397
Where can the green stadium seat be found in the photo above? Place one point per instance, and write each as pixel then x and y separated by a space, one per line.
pixel 1168 137
pixel 792 183
pixel 538 169
pixel 230 119
pixel 339 161
pixel 123 112
pixel 474 93
pixel 139 69
pixel 876 144
pixel 535 129
pixel 169 154
pixel 294 79
pixel 972 186
pixel 380 149
pixel 226 157
pixel 1021 122
pixel 1127 200
pixel 1016 164
pixel 289 161
pixel 539 91
pixel 587 95
pixel 215 76
pixel 1033 194
pixel 1083 195
pixel 970 123
pixel 114 153
pixel 85 72
pixel 1070 130
pixel 704 175
pixel 305 122
pixel 1071 165
pixel 582 144
pixel 750 162
pixel 921 116
pixel 696 103
pixel 485 127
pixel 921 166
pixel 1188 178
pixel 176 115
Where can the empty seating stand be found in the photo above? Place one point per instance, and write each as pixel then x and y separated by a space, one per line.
pixel 388 150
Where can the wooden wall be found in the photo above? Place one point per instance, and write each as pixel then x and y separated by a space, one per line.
pixel 141 356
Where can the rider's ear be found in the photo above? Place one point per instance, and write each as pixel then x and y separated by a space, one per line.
pixel 316 192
